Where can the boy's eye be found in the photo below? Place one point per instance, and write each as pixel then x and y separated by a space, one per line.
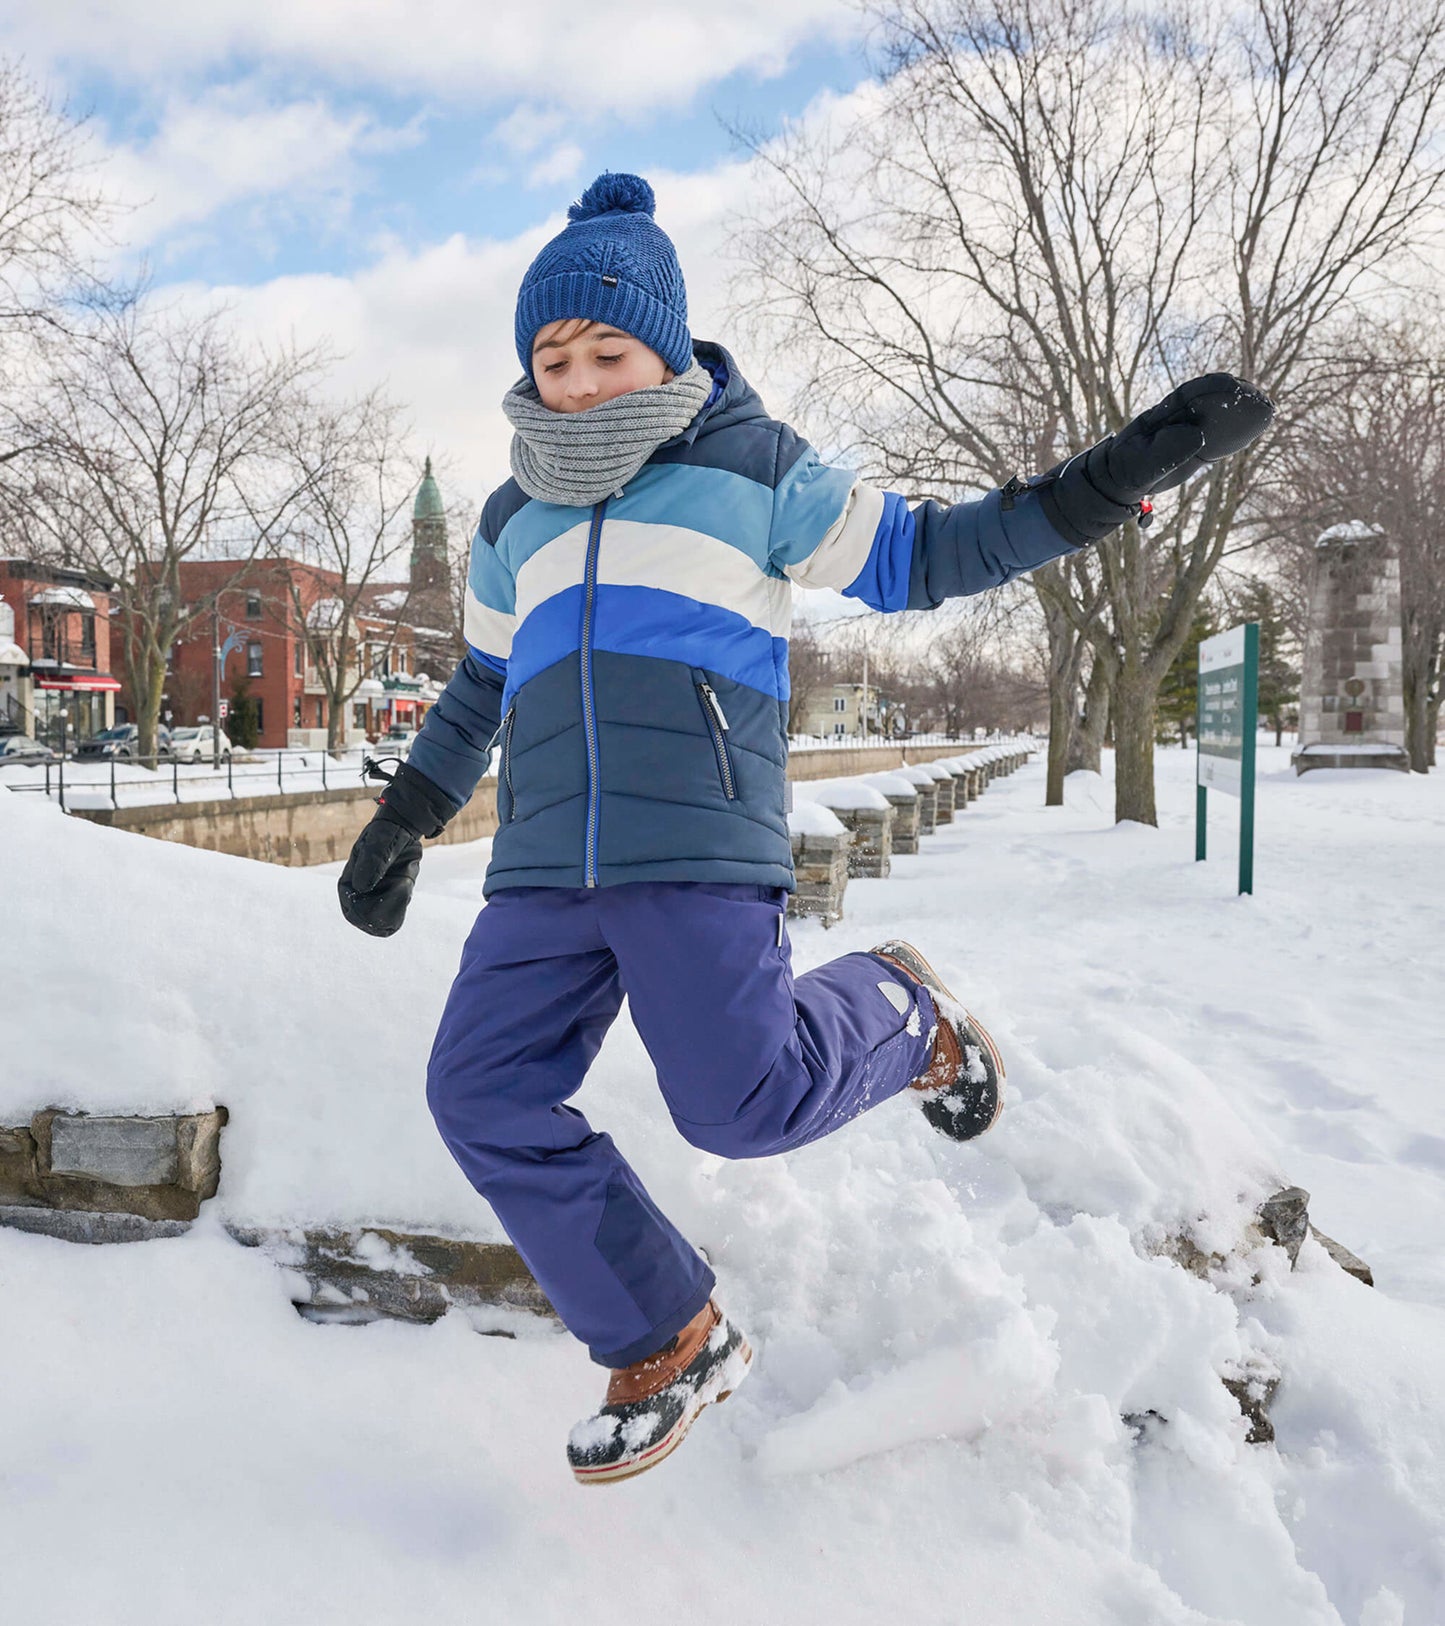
pixel 554 366
pixel 608 360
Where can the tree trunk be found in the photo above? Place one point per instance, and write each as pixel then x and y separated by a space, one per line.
pixel 1061 721
pixel 1086 750
pixel 335 723
pixel 148 698
pixel 1133 718
pixel 1066 657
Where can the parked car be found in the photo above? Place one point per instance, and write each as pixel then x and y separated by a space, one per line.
pixel 22 749
pixel 121 741
pixel 197 744
pixel 397 740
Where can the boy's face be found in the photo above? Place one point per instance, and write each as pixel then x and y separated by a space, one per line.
pixel 579 364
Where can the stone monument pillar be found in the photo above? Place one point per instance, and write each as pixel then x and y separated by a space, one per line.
pixel 1352 705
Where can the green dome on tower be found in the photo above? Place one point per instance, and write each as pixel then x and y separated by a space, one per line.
pixel 428 504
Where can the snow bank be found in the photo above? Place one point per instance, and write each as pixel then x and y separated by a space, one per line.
pixel 813 819
pixel 949 1338
pixel 169 980
pixel 841 793
pixel 892 784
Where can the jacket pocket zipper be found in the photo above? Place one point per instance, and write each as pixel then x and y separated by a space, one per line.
pixel 717 726
pixel 504 734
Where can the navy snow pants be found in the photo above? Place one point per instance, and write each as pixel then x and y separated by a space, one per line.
pixel 749 1063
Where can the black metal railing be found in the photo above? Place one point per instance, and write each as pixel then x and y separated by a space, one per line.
pixel 293 770
pixel 14 718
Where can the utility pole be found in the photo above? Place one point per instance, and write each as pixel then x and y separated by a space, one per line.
pixel 863 714
pixel 216 684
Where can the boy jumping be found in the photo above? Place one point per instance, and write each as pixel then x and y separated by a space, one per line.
pixel 627 613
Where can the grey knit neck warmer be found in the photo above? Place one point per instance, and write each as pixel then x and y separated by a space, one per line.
pixel 578 458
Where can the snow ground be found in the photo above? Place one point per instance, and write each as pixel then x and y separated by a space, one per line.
pixel 947 1337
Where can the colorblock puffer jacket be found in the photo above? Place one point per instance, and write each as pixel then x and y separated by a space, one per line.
pixel 629 662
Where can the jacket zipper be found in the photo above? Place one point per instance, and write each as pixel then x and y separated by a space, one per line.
pixel 589 712
pixel 504 767
pixel 718 725
pixel 507 724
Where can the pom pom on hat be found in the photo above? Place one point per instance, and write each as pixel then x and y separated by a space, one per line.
pixel 614 194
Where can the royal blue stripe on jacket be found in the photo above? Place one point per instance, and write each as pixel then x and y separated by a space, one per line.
pixel 628 663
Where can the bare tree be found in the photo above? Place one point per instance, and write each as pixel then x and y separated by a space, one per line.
pixel 810 668
pixel 154 449
pixel 50 213
pixel 356 474
pixel 1046 214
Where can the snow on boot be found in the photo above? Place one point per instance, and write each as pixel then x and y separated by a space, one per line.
pixel 651 1404
pixel 963 1084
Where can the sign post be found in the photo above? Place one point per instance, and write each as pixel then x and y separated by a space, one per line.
pixel 1226 723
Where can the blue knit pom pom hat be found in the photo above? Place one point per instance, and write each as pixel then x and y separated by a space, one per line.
pixel 612 263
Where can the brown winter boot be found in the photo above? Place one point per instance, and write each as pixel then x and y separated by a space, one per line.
pixel 963 1082
pixel 651 1404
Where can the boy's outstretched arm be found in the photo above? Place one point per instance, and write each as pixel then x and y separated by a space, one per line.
pixel 450 754
pixel 453 746
pixel 832 530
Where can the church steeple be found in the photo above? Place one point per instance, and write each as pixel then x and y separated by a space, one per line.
pixel 429 569
pixel 429 607
pixel 428 504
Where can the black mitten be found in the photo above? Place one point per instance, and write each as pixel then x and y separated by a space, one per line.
pixel 1192 427
pixel 376 885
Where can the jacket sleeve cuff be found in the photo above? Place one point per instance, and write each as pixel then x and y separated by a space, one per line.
pixel 414 802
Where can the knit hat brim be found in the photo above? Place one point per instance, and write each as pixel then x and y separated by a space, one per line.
pixel 583 295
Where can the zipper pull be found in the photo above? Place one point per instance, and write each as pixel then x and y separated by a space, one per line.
pixel 716 705
pixel 500 726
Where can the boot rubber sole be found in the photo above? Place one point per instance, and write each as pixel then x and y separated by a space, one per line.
pixel 729 1375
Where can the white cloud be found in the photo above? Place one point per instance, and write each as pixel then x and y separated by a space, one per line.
pixel 528 127
pixel 629 55
pixel 231 145
pixel 435 322
pixel 561 164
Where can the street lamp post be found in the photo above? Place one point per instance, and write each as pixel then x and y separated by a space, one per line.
pixel 64 714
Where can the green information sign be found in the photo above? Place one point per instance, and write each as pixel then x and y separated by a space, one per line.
pixel 1226 723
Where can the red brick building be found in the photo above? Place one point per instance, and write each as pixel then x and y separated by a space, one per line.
pixel 55 652
pixel 271 618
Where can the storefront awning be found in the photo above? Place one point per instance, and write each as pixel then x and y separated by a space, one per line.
pixel 87 682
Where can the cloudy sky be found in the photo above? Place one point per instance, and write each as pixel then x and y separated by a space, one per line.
pixel 379 172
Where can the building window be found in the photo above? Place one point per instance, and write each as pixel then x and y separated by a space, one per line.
pixel 260 719
pixel 253 606
pixel 840 728
pixel 321 714
pixel 296 712
pixel 300 659
pixel 840 702
pixel 87 639
pixel 52 633
pixel 253 660
pixel 358 715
